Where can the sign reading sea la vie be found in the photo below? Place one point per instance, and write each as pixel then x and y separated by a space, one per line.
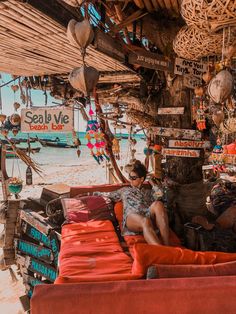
pixel 188 67
pixel 47 120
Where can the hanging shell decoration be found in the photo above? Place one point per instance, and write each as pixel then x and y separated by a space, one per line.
pixel 15 119
pixel 220 87
pixel 80 33
pixel 4 132
pixel 84 79
pixel 211 15
pixel 15 131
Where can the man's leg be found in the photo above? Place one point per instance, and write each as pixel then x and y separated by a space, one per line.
pixel 158 212
pixel 138 223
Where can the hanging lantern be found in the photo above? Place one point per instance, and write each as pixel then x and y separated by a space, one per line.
pixel 2 117
pixel 207 77
pixel 220 87
pixel 199 91
pixel 84 79
pixel 15 119
pixel 71 32
pixel 84 34
pixel 16 105
pixel 80 33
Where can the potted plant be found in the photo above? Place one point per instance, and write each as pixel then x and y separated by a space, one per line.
pixel 15 185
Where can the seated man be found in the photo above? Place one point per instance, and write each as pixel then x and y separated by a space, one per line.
pixel 143 208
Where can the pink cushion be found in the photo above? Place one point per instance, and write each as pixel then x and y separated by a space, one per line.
pixel 86 208
pixel 181 271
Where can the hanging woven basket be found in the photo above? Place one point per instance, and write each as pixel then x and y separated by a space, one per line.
pixel 210 15
pixel 84 79
pixel 193 43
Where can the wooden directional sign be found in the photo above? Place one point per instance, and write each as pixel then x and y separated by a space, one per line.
pixel 31 280
pixel 188 144
pixel 171 110
pixel 35 220
pixel 175 133
pixel 188 67
pixel 35 234
pixel 108 45
pixel 34 250
pixel 41 269
pixel 149 60
pixel 55 246
pixel 181 152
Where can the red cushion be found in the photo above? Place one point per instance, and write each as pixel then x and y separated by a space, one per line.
pixel 118 209
pixel 181 271
pixel 85 208
pixel 91 252
pixel 146 255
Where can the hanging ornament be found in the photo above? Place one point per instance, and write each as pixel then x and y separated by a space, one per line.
pixel 220 87
pixel 15 119
pixel 15 131
pixel 116 148
pixel 4 132
pixel 80 34
pixel 14 88
pixel 16 105
pixel 2 117
pixel 201 121
pixel 84 79
pixel 217 157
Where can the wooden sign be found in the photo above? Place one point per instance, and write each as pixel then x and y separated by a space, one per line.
pixel 188 144
pixel 35 234
pixel 191 82
pixel 34 250
pixel 149 60
pixel 41 269
pixel 47 120
pixel 187 67
pixel 108 45
pixel 55 246
pixel 175 133
pixel 35 220
pixel 32 281
pixel 171 110
pixel 181 152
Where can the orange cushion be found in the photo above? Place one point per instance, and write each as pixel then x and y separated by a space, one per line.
pixel 118 209
pixel 182 271
pixel 91 252
pixel 146 255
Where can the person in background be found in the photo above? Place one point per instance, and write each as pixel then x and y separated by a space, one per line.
pixel 144 210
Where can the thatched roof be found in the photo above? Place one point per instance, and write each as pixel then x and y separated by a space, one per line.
pixel 32 43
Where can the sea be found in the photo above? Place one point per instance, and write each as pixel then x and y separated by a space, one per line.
pixel 52 157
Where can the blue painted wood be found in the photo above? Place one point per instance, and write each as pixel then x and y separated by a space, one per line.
pixel 34 250
pixel 42 269
pixel 35 234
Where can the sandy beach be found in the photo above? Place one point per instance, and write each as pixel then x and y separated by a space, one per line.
pixel 59 166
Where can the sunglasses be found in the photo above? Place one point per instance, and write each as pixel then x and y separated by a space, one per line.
pixel 133 177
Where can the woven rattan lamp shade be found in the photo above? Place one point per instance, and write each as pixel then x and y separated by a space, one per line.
pixel 209 14
pixel 193 43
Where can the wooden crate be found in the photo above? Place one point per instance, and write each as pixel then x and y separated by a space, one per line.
pixel 54 191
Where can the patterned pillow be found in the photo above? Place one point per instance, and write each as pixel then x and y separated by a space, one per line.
pixel 87 208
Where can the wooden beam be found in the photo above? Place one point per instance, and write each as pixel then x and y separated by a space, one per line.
pixel 57 10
